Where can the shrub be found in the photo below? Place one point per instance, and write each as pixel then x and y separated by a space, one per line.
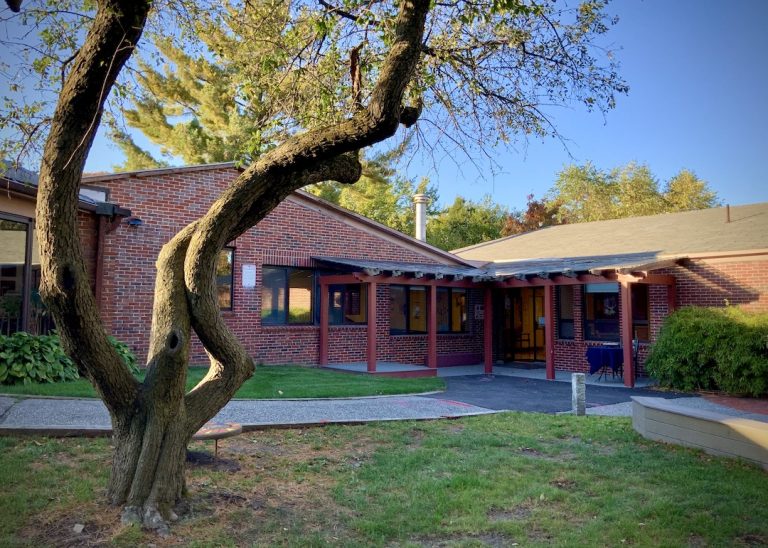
pixel 39 358
pixel 34 358
pixel 712 349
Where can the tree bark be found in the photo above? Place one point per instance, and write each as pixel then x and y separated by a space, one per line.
pixel 154 421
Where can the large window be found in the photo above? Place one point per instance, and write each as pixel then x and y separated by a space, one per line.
pixel 224 277
pixel 287 296
pixel 348 304
pixel 565 311
pixel 407 309
pixel 21 308
pixel 601 312
pixel 640 312
pixel 451 310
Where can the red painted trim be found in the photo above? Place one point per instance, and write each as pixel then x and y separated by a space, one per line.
pixel 549 331
pixel 372 313
pixel 334 279
pixel 626 333
pixel 432 328
pixel 324 321
pixel 488 330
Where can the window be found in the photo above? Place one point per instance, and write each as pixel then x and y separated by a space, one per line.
pixel 13 275
pixel 565 311
pixel 287 295
pixel 348 304
pixel 407 309
pixel 640 312
pixel 224 277
pixel 601 312
pixel 451 310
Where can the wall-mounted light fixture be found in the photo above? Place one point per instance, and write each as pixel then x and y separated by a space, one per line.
pixel 134 221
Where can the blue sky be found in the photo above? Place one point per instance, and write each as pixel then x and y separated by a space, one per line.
pixel 698 76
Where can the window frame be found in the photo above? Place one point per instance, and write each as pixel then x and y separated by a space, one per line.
pixel 313 304
pixel 643 323
pixel 344 289
pixel 408 330
pixel 231 306
pixel 588 325
pixel 560 321
pixel 465 322
pixel 26 273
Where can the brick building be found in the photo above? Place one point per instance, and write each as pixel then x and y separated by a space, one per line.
pixel 298 287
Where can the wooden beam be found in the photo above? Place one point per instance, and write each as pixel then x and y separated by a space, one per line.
pixel 372 313
pixel 324 321
pixel 549 331
pixel 432 328
pixel 626 333
pixel 488 330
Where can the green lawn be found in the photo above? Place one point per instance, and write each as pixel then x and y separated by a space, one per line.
pixel 497 480
pixel 268 382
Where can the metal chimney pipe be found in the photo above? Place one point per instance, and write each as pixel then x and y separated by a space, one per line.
pixel 420 203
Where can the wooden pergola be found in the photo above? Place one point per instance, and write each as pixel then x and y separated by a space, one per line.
pixel 373 273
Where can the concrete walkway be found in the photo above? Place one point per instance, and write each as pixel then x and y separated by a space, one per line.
pixel 72 416
pixel 465 396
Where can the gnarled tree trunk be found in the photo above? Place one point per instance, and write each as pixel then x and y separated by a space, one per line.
pixel 153 421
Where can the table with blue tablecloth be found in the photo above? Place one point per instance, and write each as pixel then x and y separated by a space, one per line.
pixel 605 358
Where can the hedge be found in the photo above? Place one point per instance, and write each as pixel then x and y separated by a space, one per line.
pixel 723 349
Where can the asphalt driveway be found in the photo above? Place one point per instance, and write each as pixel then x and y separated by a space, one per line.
pixel 521 394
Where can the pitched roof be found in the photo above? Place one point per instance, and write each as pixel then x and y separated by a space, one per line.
pixel 703 232
pixel 301 196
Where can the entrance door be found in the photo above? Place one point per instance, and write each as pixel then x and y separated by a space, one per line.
pixel 521 331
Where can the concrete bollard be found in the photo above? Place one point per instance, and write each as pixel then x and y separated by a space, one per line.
pixel 578 394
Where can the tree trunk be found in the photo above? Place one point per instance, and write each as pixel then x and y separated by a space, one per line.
pixel 148 468
pixel 153 421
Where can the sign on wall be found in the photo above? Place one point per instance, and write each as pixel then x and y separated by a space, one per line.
pixel 249 276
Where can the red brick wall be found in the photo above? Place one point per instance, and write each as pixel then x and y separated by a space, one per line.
pixel 716 282
pixel 288 236
pixel 87 227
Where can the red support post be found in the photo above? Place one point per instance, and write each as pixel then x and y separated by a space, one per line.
pixel 488 330
pixel 372 308
pixel 324 320
pixel 626 334
pixel 549 331
pixel 432 328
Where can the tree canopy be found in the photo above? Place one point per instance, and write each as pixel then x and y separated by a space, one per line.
pixel 468 72
pixel 466 222
pixel 586 193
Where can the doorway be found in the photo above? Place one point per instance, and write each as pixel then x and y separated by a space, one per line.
pixel 521 329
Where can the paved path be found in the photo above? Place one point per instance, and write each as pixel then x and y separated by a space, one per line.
pixel 524 394
pixel 65 416
pixel 465 395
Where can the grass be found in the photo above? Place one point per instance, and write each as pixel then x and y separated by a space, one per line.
pixel 493 480
pixel 267 382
